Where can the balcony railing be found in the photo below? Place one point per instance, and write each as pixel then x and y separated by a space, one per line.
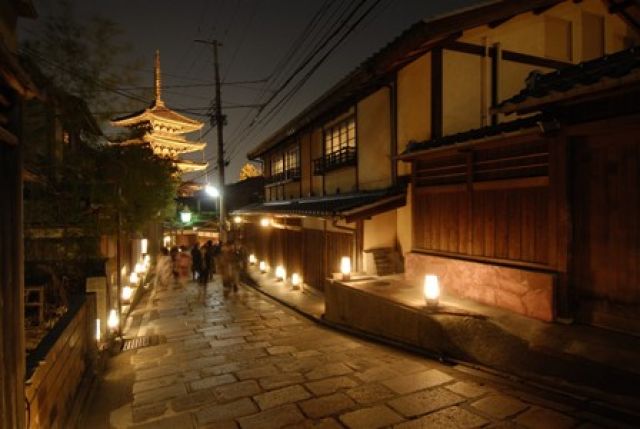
pixel 291 174
pixel 343 157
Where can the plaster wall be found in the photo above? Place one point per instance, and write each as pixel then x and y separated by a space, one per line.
pixel 291 190
pixel 374 141
pixel 462 97
pixel 316 152
pixel 340 181
pixel 380 231
pixel 306 172
pixel 413 105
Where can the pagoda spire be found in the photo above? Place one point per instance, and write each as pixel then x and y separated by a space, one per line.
pixel 158 80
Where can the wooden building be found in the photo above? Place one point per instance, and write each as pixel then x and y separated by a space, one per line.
pixel 492 220
pixel 15 87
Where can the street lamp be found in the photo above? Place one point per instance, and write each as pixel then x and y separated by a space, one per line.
pixel 212 191
pixel 185 215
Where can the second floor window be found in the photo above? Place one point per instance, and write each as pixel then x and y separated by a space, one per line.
pixel 292 158
pixel 340 136
pixel 277 165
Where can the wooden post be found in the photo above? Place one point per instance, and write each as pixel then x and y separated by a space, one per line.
pixel 12 352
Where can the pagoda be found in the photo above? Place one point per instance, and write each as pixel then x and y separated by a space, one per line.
pixel 163 129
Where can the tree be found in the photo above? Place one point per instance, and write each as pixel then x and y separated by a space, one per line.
pixel 249 170
pixel 86 60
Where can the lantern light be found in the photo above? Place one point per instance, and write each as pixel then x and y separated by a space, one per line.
pixel 166 241
pixel 252 259
pixel 98 330
pixel 113 320
pixel 281 273
pixel 345 267
pixel 265 222
pixel 133 278
pixel 431 289
pixel 296 281
pixel 263 267
pixel 140 268
pixel 237 219
pixel 144 245
pixel 185 215
pixel 126 293
pixel 146 260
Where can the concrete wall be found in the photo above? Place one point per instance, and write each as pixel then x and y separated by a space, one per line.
pixel 374 141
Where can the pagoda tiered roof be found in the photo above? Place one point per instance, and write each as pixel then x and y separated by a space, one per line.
pixel 164 129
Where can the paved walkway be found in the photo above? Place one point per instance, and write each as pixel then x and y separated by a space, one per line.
pixel 246 361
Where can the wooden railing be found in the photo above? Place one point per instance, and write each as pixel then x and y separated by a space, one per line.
pixel 343 157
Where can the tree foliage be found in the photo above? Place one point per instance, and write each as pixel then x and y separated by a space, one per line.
pixel 85 58
pixel 249 170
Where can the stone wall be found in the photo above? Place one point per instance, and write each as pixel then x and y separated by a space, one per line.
pixel 522 291
pixel 51 389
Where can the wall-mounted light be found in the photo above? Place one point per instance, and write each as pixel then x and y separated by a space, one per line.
pixel 265 222
pixel 345 267
pixel 252 259
pixel 113 320
pixel 126 293
pixel 296 281
pixel 431 289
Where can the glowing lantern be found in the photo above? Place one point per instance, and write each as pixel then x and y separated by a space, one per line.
pixel 237 219
pixel 140 268
pixel 133 278
pixel 144 244
pixel 431 289
pixel 263 267
pixel 281 273
pixel 113 320
pixel 252 259
pixel 345 267
pixel 98 330
pixel 185 215
pixel 264 222
pixel 126 293
pixel 296 281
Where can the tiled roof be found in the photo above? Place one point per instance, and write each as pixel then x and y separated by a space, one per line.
pixel 565 82
pixel 475 134
pixel 335 205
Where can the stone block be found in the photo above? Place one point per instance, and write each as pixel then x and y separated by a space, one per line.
pixel 328 370
pixel 216 380
pixel 499 406
pixel 330 385
pixel 263 371
pixel 468 389
pixel 370 393
pixel 371 418
pixel 418 381
pixel 285 395
pixel 281 380
pixel 179 421
pixel 424 402
pixel 229 392
pixel 450 418
pixel 228 411
pixel 542 418
pixel 275 418
pixel 327 405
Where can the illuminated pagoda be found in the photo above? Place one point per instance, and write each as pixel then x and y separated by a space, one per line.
pixel 163 129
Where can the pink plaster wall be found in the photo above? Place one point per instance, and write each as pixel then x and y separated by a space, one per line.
pixel 522 291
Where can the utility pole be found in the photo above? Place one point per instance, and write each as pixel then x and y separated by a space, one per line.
pixel 218 119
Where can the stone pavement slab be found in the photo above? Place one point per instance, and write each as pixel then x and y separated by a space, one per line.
pixel 372 418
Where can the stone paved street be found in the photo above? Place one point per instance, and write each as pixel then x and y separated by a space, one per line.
pixel 248 362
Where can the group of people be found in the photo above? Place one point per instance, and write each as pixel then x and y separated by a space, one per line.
pixel 201 263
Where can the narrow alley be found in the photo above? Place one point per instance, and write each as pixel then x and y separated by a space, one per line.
pixel 249 362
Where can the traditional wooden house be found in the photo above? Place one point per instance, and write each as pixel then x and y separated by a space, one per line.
pixel 336 186
pixel 15 86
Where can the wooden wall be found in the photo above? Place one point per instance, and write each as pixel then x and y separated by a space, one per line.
pixel 53 386
pixel 315 254
pixel 491 202
pixel 605 269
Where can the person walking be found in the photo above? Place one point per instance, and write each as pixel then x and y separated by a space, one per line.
pixel 196 261
pixel 183 264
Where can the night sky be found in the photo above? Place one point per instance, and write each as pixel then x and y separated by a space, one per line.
pixel 255 34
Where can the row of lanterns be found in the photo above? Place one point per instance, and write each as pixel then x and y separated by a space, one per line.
pixel 280 272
